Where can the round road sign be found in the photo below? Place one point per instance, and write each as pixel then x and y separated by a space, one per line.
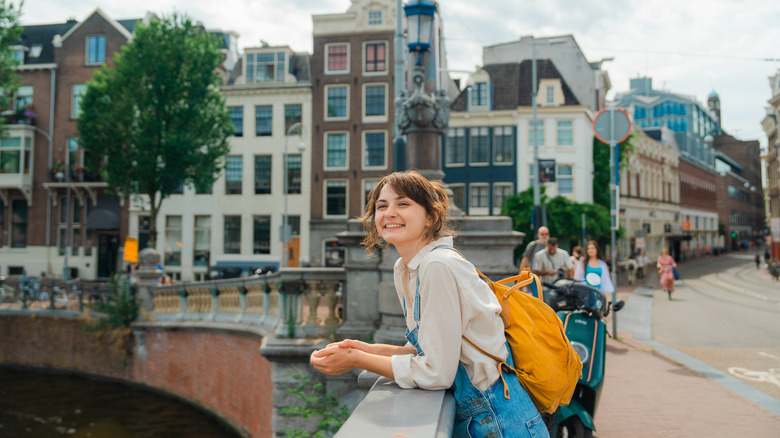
pixel 612 125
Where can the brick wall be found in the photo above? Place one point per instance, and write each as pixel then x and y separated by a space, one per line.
pixel 221 371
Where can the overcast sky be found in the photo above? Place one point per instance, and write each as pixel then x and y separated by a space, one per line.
pixel 690 47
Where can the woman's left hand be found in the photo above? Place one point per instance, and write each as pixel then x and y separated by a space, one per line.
pixel 334 360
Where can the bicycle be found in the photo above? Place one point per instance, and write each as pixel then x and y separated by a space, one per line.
pixel 65 295
pixel 8 293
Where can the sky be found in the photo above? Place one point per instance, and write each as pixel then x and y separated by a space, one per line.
pixel 690 47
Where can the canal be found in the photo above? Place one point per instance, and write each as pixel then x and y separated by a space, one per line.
pixel 39 403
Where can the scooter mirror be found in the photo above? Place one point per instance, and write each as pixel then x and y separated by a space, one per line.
pixel 619 305
pixel 593 279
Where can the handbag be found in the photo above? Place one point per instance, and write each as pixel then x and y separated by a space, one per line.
pixel 676 275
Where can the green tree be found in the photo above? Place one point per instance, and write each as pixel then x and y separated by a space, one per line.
pixel 10 31
pixel 156 120
pixel 601 167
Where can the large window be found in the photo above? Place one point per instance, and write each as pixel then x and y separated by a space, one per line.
pixel 456 146
pixel 232 235
pixel 263 120
pixel 237 117
pixel 501 191
pixel 480 145
pixel 337 58
pixel 15 154
pixel 478 196
pixel 96 49
pixel 233 171
pixel 565 133
pixel 375 100
pixel 565 179
pixel 19 223
pixel 262 174
pixel 336 150
pixel 539 132
pixel 24 97
pixel 173 240
pixel 78 93
pixel 479 94
pixel 374 153
pixel 265 67
pixel 292 115
pixel 261 239
pixel 375 57
pixel 294 174
pixel 336 197
pixel 503 144
pixel 201 252
pixel 75 163
pixel 337 101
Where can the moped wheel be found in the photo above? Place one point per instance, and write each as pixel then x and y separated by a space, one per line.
pixel 573 428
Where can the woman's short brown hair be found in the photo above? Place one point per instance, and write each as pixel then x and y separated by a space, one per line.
pixel 429 194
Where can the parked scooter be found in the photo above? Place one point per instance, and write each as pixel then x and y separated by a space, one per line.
pixel 583 308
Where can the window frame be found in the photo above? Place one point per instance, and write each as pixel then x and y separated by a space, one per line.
pixel 365 64
pixel 559 177
pixel 270 174
pixel 290 121
pixel 328 46
pixel 477 95
pixel 75 100
pixel 169 250
pixel 259 219
pixel 326 97
pixel 325 187
pixel 201 229
pixel 495 191
pixel 258 120
pixel 539 130
pixel 364 150
pixel 234 189
pixel 326 150
pixel 225 231
pixel 479 210
pixel 558 131
pixel 463 148
pixel 374 118
pixel 289 174
pixel 483 148
pixel 499 131
pixel 232 115
pixel 88 52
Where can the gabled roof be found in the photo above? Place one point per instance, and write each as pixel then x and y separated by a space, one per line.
pixel 43 34
pixel 119 27
pixel 511 84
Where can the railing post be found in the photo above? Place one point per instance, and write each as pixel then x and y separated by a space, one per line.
pixel 242 291
pixel 214 303
pixel 182 302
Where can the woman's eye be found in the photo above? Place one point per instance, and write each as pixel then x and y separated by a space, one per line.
pixel 380 207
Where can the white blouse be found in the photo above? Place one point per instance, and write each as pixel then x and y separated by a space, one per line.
pixel 454 301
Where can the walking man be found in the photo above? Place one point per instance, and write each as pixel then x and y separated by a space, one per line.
pixel 535 246
pixel 550 260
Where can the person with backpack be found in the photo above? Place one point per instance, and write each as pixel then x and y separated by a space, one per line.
pixel 447 308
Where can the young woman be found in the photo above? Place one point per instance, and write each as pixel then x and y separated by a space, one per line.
pixel 443 299
pixel 592 262
pixel 666 265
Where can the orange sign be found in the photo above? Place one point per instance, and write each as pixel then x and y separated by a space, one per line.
pixel 131 250
pixel 686 225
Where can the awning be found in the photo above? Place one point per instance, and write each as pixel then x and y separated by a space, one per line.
pixel 103 219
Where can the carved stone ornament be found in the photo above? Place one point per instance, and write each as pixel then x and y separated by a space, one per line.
pixel 422 110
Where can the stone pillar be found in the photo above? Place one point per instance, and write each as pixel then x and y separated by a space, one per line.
pixel 147 274
pixel 360 299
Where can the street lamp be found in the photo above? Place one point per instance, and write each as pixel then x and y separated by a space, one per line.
pixel 60 176
pixel 285 231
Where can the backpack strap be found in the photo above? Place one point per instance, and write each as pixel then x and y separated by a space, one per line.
pixel 501 364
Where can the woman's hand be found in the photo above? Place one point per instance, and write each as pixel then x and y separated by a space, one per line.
pixel 333 360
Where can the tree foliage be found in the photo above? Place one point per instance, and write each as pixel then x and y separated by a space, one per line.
pixel 156 120
pixel 10 31
pixel 564 216
pixel 601 167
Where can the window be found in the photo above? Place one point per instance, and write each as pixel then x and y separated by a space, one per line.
pixel 565 133
pixel 261 240
pixel 10 155
pixel 550 95
pixel 539 133
pixel 96 49
pixel 480 145
pixel 35 50
pixel 265 67
pixel 173 240
pixel 233 170
pixel 75 240
pixel 503 144
pixel 143 230
pixel 201 252
pixel 501 192
pixel 375 100
pixel 374 18
pixel 294 174
pixel 336 150
pixel 18 56
pixel 262 174
pixel 374 152
pixel 74 158
pixel 232 235
pixel 263 120
pixel 78 93
pixel 24 97
pixel 336 101
pixel 479 94
pixel 336 197
pixel 337 58
pixel 565 180
pixel 479 196
pixel 237 117
pixel 456 146
pixel 368 185
pixel 375 58
pixel 292 115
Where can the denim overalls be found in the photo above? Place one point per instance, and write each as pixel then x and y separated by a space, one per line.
pixel 486 414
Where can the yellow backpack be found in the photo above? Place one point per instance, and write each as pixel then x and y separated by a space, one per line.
pixel 545 362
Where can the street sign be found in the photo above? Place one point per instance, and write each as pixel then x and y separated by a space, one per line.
pixel 131 250
pixel 612 125
pixel 546 171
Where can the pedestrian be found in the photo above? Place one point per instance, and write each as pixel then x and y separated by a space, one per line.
pixel 443 300
pixel 666 265
pixel 631 270
pixel 593 263
pixel 758 260
pixel 552 262
pixel 576 255
pixel 534 247
pixel 767 256
pixel 641 262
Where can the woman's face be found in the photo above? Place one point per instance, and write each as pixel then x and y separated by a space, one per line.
pixel 592 251
pixel 663 252
pixel 400 221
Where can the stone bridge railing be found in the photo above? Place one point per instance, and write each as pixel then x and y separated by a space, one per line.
pixel 298 302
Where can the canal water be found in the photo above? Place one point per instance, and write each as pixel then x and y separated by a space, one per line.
pixel 41 404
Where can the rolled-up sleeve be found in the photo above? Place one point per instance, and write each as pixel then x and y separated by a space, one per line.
pixel 439 334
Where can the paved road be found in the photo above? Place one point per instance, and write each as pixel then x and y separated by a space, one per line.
pixel 726 314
